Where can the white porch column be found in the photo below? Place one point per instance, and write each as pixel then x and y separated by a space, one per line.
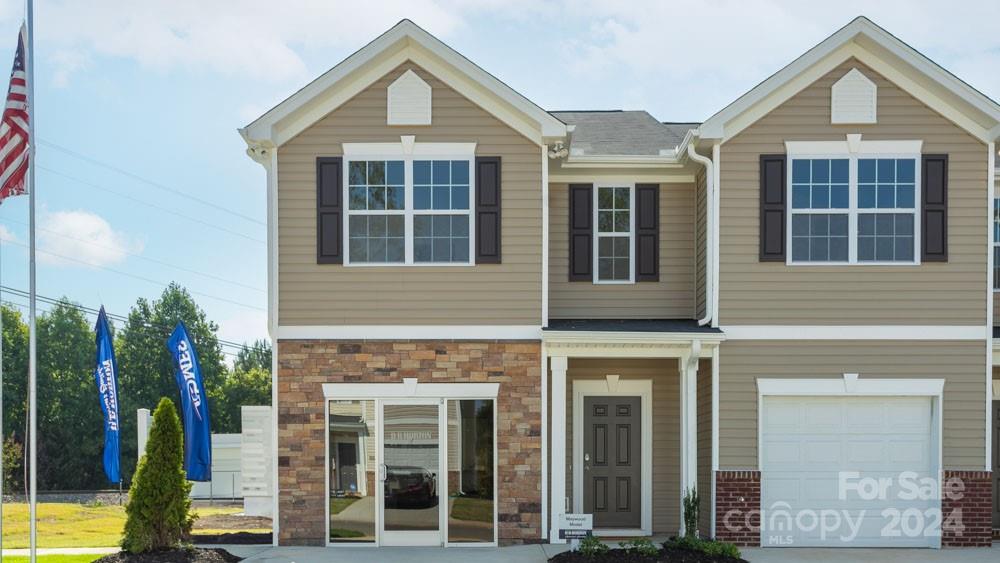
pixel 557 487
pixel 688 369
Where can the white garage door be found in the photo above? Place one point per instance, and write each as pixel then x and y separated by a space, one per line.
pixel 808 441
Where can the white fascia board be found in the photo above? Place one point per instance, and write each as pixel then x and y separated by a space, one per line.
pixel 579 177
pixel 634 161
pixel 418 149
pixel 600 338
pixel 841 387
pixel 405 41
pixel 410 332
pixel 855 332
pixel 862 146
pixel 410 388
pixel 831 52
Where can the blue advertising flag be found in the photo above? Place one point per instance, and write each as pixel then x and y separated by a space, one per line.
pixel 194 406
pixel 106 376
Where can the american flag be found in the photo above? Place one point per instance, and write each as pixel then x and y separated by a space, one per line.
pixel 14 129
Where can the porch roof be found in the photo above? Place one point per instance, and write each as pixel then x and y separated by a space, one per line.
pixel 629 325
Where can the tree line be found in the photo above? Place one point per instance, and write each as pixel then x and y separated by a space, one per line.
pixel 70 422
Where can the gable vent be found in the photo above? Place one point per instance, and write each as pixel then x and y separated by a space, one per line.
pixel 854 99
pixel 409 101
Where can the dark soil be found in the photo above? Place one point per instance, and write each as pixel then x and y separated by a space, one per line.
pixel 672 555
pixel 180 555
pixel 234 538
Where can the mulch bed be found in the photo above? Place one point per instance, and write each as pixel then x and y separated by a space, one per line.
pixel 672 555
pixel 180 555
pixel 234 538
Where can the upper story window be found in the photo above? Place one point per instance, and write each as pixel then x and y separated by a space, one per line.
pixel 853 209
pixel 996 243
pixel 411 208
pixel 614 234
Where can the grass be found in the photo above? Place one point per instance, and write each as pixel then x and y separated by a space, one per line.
pixel 78 525
pixel 475 509
pixel 343 533
pixel 55 559
pixel 338 504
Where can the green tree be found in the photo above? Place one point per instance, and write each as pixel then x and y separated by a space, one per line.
pixel 70 421
pixel 158 510
pixel 15 384
pixel 256 355
pixel 251 387
pixel 146 370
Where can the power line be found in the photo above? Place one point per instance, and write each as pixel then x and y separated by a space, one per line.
pixel 151 205
pixel 141 278
pixel 141 257
pixel 149 182
pixel 114 317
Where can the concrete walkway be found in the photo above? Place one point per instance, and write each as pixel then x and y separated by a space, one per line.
pixel 541 553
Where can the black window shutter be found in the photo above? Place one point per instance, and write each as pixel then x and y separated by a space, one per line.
pixel 329 210
pixel 487 210
pixel 772 207
pixel 647 232
pixel 581 232
pixel 934 208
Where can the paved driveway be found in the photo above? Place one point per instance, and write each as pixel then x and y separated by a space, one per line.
pixel 540 553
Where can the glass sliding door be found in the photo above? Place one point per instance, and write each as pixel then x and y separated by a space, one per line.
pixel 471 478
pixel 352 448
pixel 411 473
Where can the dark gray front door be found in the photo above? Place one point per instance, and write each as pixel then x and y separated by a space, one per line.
pixel 996 464
pixel 612 459
pixel 347 473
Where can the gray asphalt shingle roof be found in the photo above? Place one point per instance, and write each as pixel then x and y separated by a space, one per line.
pixel 619 132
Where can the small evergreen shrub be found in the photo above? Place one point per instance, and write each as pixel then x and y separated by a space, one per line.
pixel 591 546
pixel 640 546
pixel 692 505
pixel 709 547
pixel 158 509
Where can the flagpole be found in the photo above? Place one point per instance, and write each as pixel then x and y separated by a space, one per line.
pixel 32 332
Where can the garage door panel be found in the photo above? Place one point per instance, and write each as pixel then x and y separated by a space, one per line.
pixel 802 463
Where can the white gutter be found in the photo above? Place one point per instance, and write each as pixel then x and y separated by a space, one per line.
pixel 709 231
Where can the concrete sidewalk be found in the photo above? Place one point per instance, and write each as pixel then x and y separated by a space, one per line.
pixel 541 553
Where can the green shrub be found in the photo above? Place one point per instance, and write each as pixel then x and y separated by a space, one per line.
pixel 709 547
pixel 158 509
pixel 640 546
pixel 591 546
pixel 692 504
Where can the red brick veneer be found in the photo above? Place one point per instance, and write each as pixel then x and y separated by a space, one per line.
pixel 967 509
pixel 737 507
pixel 304 365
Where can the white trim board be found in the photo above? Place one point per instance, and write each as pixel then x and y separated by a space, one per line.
pixel 409 332
pixel 613 386
pixel 855 332
pixel 851 385
pixel 410 388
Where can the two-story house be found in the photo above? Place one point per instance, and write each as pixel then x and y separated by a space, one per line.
pixel 487 315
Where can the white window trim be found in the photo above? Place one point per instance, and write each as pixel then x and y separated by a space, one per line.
pixel 879 149
pixel 631 233
pixel 611 385
pixel 410 388
pixel 407 151
pixel 996 243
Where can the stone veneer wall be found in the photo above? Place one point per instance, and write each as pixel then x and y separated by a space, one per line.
pixel 967 509
pixel 304 365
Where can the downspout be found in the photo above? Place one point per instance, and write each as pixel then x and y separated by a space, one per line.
pixel 709 230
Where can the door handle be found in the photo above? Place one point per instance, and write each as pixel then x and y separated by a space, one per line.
pixel 382 473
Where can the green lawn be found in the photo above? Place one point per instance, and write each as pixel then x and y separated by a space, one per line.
pixel 338 504
pixel 475 509
pixel 77 525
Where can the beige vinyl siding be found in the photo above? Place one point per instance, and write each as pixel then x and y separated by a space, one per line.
pixel 327 294
pixel 961 364
pixel 671 297
pixel 701 234
pixel 754 292
pixel 705 446
pixel 666 428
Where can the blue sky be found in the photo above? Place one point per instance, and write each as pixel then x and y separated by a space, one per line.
pixel 157 89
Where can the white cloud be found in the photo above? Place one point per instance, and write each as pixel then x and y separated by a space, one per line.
pixel 79 238
pixel 7 236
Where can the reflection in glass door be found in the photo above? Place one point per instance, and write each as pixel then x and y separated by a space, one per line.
pixel 351 449
pixel 411 473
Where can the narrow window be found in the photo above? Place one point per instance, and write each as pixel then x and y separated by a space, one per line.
pixel 441 211
pixel 614 234
pixel 996 243
pixel 376 211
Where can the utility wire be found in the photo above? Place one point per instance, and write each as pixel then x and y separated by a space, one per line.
pixel 141 278
pixel 141 257
pixel 149 182
pixel 151 205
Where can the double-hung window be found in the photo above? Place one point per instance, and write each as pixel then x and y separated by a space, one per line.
pixel 614 245
pixel 854 209
pixel 409 209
